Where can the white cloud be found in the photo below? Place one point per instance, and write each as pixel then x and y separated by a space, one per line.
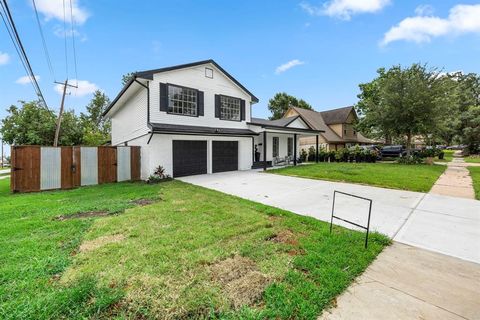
pixel 59 32
pixel 53 9
pixel 84 87
pixel 461 19
pixel 4 58
pixel 344 9
pixel 290 64
pixel 26 79
pixel 424 10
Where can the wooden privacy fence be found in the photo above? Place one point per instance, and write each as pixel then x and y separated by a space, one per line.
pixel 36 168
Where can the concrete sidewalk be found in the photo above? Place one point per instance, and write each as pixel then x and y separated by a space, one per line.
pixel 410 283
pixel 455 181
pixel 444 224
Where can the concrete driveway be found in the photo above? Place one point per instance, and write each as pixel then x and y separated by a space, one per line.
pixel 439 223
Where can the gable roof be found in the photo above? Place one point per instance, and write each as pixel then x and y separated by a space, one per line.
pixel 336 116
pixel 148 74
pixel 283 123
pixel 315 120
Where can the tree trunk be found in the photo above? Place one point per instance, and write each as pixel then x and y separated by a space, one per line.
pixel 409 143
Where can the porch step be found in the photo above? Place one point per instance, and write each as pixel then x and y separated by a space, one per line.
pixel 259 164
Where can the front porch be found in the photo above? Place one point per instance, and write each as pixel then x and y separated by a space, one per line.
pixel 279 148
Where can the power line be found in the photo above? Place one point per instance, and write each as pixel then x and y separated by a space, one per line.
pixel 73 41
pixel 45 49
pixel 65 37
pixel 17 42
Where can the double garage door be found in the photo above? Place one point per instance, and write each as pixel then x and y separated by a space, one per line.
pixel 190 157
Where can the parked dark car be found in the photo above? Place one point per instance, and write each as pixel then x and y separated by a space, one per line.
pixel 393 151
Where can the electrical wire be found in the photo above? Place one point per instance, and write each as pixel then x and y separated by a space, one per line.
pixel 15 37
pixel 45 48
pixel 73 41
pixel 65 37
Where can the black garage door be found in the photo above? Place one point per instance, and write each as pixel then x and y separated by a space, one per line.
pixel 189 157
pixel 224 156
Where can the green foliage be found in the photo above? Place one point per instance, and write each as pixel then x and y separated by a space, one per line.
pixel 280 103
pixel 311 153
pixel 34 124
pixel 96 129
pixel 303 155
pixel 471 129
pixel 411 159
pixel 403 102
pixel 127 77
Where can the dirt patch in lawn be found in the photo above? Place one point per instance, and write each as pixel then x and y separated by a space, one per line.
pixel 83 215
pixel 240 279
pixel 142 202
pixel 99 242
pixel 284 236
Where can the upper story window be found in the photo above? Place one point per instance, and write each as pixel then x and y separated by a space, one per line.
pixel 229 108
pixel 182 100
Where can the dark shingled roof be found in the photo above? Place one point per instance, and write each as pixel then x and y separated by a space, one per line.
pixel 175 128
pixel 335 116
pixel 279 122
pixel 316 120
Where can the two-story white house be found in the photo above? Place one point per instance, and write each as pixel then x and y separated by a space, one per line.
pixel 196 118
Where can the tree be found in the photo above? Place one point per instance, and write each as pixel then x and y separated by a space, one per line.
pixel 280 103
pixel 126 77
pixel 403 102
pixel 96 129
pixel 471 129
pixel 34 124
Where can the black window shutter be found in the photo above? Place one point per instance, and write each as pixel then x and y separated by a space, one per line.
pixel 163 97
pixel 200 102
pixel 217 106
pixel 242 109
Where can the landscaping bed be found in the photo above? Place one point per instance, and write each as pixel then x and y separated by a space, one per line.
pixel 475 174
pixel 420 177
pixel 169 250
pixel 473 159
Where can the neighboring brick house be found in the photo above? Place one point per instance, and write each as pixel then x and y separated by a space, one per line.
pixel 338 124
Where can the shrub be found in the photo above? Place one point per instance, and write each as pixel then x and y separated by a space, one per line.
pixel 303 155
pixel 412 159
pixel 158 175
pixel 311 153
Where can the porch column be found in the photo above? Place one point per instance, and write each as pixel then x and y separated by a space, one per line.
pixel 294 149
pixel 316 148
pixel 264 150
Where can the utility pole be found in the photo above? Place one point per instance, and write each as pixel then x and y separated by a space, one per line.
pixel 60 113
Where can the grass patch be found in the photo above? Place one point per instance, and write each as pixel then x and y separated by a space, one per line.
pixel 196 253
pixel 475 174
pixel 389 175
pixel 473 159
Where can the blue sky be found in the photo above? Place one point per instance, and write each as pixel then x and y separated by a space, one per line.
pixel 326 47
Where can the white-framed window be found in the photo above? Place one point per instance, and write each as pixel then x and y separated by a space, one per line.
pixel 275 146
pixel 290 146
pixel 182 100
pixel 229 108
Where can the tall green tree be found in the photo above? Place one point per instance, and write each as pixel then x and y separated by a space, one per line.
pixel 280 103
pixel 34 124
pixel 96 129
pixel 403 102
pixel 126 77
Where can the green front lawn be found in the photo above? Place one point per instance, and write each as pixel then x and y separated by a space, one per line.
pixel 389 175
pixel 475 174
pixel 473 159
pixel 193 253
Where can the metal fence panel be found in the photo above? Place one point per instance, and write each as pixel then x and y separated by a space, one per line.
pixel 50 168
pixel 89 165
pixel 123 164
